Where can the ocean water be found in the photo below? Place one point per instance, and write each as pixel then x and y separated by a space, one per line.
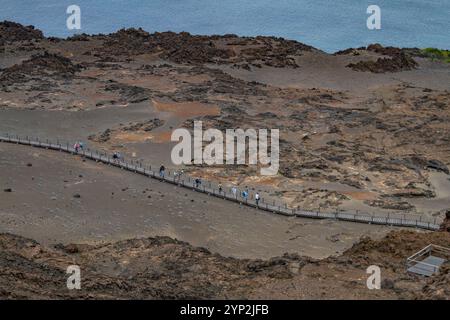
pixel 329 25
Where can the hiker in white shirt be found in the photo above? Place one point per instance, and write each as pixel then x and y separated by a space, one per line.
pixel 257 197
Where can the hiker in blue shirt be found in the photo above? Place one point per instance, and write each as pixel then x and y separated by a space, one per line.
pixel 245 195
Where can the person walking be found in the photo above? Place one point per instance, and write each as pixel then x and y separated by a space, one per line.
pixel 245 195
pixel 162 171
pixel 234 192
pixel 178 175
pixel 257 197
pixel 220 188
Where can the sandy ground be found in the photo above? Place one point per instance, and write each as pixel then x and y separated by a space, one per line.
pixel 362 129
pixel 117 205
pixel 326 71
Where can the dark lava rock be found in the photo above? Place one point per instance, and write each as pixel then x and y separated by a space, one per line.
pixel 146 125
pixel 387 284
pixel 437 165
pixel 197 49
pixel 39 65
pixel 399 61
pixel 387 204
pixel 445 226
pixel 416 193
pixel 12 32
pixel 71 248
pixel 103 137
pixel 132 94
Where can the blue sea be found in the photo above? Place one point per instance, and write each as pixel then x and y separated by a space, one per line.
pixel 327 25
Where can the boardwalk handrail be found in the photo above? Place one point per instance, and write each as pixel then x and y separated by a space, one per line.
pixel 417 261
pixel 415 221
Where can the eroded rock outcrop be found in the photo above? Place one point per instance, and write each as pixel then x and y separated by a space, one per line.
pixel 13 32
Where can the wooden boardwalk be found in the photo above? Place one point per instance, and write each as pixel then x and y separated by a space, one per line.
pixel 401 220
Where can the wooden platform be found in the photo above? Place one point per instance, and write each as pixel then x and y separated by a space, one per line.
pixel 428 266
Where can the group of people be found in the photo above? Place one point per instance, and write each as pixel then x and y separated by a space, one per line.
pixel 78 146
pixel 178 174
pixel 245 194
pixel 116 156
pixel 234 190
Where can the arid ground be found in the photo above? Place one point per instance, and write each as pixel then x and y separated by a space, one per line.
pixel 363 129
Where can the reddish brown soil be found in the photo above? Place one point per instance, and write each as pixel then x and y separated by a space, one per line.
pixel 162 268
